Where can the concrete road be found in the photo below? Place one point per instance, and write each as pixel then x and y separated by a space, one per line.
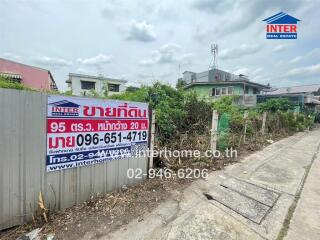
pixel 305 223
pixel 247 200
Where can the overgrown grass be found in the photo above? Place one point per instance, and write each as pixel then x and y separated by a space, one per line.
pixel 5 83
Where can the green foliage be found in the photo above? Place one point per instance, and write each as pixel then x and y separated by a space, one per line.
pixel 105 89
pixel 225 105
pixel 6 83
pixel 68 93
pixel 198 114
pixel 140 95
pixel 179 112
pixel 275 104
pixel 181 83
pixel 281 121
pixel 176 111
pixel 93 93
pixel 132 89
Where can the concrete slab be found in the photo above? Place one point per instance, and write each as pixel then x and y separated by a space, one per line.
pixel 243 205
pixel 255 192
pixel 208 222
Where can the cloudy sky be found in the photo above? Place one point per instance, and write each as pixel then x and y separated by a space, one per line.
pixel 144 41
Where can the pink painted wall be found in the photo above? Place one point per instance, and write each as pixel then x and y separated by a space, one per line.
pixel 33 77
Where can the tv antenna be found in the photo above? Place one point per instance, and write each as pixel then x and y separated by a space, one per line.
pixel 214 52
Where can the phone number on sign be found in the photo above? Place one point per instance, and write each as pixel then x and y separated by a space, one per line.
pixel 89 139
pixel 187 173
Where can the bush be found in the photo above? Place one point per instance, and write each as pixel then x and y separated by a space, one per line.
pixel 275 104
pixel 6 83
pixel 176 111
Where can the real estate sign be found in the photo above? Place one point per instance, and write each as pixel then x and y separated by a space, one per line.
pixel 86 131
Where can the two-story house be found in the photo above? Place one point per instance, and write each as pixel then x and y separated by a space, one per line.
pixel 215 83
pixel 81 84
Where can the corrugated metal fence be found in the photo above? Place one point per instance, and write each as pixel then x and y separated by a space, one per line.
pixel 22 163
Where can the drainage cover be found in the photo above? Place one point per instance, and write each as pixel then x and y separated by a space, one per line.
pixel 259 194
pixel 248 200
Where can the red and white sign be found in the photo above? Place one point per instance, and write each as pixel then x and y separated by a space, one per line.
pixel 86 131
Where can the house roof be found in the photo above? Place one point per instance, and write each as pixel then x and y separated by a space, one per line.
pixel 8 60
pixel 227 83
pixel 281 18
pixel 42 69
pixel 95 77
pixel 187 71
pixel 296 89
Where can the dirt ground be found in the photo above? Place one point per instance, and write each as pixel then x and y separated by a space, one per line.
pixel 107 212
pixel 110 211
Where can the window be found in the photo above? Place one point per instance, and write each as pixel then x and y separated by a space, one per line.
pixel 88 85
pixel 113 87
pixel 222 91
pixel 218 77
pixel 230 90
pixel 213 92
pixel 256 91
pixel 246 89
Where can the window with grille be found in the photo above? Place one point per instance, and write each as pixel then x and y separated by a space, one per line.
pixel 113 87
pixel 86 85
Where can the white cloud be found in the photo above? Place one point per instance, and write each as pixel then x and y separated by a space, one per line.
pixel 97 60
pixel 304 71
pixel 239 15
pixel 228 23
pixel 211 6
pixel 111 8
pixel 12 56
pixel 244 71
pixel 244 49
pixel 313 55
pixel 255 75
pixel 186 59
pixel 141 31
pixel 296 59
pixel 52 61
pixel 281 47
pixel 166 54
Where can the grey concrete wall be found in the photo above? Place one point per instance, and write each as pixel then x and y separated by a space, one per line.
pixel 22 163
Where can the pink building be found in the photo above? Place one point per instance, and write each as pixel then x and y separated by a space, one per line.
pixel 33 77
